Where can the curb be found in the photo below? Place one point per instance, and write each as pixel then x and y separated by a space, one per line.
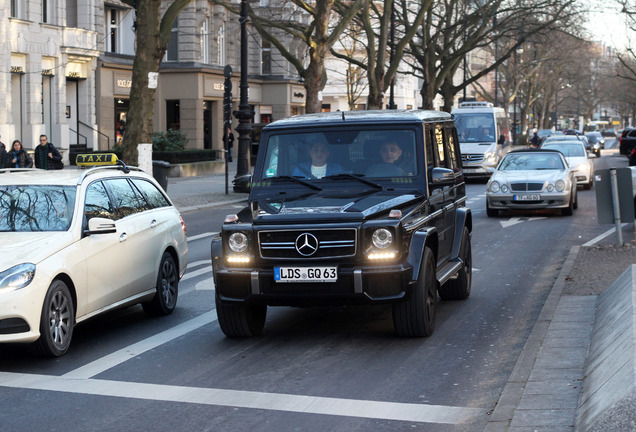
pixel 507 404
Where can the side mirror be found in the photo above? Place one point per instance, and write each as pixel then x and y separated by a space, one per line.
pixel 442 175
pixel 99 225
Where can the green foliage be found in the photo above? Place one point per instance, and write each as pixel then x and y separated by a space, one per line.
pixel 171 141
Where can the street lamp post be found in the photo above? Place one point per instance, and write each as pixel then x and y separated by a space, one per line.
pixel 392 104
pixel 244 113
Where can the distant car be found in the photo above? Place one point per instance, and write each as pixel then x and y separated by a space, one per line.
pixel 544 133
pixel 577 158
pixel 80 242
pixel 597 142
pixel 573 137
pixel 532 179
pixel 608 133
pixel 571 132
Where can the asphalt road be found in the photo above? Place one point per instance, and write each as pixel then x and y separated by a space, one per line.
pixel 323 369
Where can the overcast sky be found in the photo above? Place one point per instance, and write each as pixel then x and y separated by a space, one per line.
pixel 608 24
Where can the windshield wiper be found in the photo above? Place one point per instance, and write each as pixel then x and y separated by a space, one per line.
pixel 353 176
pixel 297 180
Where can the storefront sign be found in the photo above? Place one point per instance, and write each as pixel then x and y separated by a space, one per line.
pixel 297 95
pixel 122 83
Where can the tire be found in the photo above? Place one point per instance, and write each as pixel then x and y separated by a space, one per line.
pixel 569 210
pixel 241 320
pixel 57 321
pixel 415 317
pixel 459 288
pixel 165 299
pixel 576 201
pixel 491 212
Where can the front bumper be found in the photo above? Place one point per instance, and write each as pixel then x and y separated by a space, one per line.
pixel 20 313
pixel 477 170
pixel 355 285
pixel 548 200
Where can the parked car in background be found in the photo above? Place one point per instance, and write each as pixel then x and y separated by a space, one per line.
pixel 532 179
pixel 627 141
pixel 77 243
pixel 577 158
pixel 597 142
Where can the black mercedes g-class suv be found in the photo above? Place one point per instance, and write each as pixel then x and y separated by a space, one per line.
pixel 349 207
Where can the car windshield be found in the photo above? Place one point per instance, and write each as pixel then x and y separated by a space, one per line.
pixel 531 161
pixel 475 127
pixel 325 156
pixel 568 150
pixel 36 208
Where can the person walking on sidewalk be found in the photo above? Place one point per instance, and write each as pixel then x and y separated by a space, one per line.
pixel 47 156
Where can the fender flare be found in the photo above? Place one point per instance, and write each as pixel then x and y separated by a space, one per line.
pixel 463 218
pixel 420 240
pixel 216 254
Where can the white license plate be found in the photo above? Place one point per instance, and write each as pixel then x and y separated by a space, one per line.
pixel 526 197
pixel 306 274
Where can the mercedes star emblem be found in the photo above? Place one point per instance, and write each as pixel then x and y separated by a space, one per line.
pixel 306 244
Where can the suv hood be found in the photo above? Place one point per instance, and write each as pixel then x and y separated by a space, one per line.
pixel 31 247
pixel 328 205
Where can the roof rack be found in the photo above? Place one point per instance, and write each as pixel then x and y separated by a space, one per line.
pixel 476 105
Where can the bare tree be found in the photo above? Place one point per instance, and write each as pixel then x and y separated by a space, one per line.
pixel 153 32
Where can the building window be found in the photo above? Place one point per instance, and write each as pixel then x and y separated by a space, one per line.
pixel 17 8
pixel 173 45
pixel 205 42
pixel 71 13
pixel 266 57
pixel 173 114
pixel 220 45
pixel 48 10
pixel 112 20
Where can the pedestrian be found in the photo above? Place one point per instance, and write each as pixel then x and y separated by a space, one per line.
pixel 18 157
pixel 535 140
pixel 230 144
pixel 3 156
pixel 47 156
pixel 2 146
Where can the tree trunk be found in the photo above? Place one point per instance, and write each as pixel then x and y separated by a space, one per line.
pixel 142 99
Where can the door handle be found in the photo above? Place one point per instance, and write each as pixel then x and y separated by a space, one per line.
pixel 153 224
pixel 123 237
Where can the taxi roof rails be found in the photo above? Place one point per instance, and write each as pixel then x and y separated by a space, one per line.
pixel 122 166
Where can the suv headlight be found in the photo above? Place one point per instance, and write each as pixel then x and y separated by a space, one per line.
pixel 382 238
pixel 17 277
pixel 238 242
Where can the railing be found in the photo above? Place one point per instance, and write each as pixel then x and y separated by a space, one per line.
pixel 79 135
pixel 99 132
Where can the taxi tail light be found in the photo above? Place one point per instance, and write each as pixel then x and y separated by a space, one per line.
pixel 183 225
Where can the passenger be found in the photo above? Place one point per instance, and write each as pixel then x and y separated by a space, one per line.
pixel 18 157
pixel 394 164
pixel 319 167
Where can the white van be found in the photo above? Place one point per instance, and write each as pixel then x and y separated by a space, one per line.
pixel 484 136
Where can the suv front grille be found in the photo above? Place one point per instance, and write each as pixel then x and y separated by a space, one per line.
pixel 472 157
pixel 526 187
pixel 332 243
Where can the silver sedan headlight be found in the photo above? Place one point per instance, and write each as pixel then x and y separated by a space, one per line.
pixel 494 186
pixel 17 277
pixel 560 185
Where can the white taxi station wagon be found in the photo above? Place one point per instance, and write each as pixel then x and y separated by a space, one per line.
pixel 79 242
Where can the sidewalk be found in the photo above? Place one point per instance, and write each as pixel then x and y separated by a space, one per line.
pixel 195 193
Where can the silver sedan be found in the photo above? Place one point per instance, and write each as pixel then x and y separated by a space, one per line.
pixel 532 179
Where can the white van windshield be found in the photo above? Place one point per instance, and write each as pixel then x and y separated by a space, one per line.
pixel 475 127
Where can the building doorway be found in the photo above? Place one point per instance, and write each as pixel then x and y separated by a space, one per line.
pixel 207 125
pixel 122 106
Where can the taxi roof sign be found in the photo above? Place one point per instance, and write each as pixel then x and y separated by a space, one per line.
pixel 94 159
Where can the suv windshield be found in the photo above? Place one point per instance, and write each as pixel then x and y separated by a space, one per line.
pixel 318 155
pixel 36 208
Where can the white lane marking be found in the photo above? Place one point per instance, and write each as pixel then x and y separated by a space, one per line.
pixel 200 236
pixel 602 236
pixel 245 399
pixel 515 220
pixel 198 263
pixel 103 364
pixel 205 285
pixel 195 273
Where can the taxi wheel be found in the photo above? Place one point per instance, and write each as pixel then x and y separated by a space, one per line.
pixel 165 299
pixel 459 288
pixel 56 322
pixel 415 317
pixel 241 320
